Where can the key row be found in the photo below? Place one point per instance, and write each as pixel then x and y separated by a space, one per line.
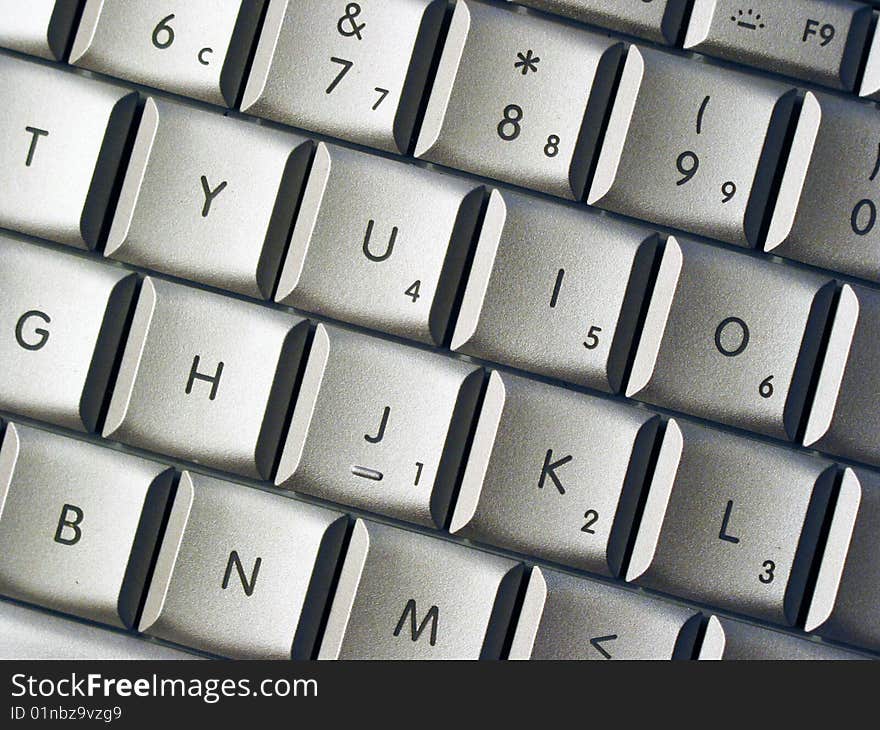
pixel 384 427
pixel 245 573
pixel 745 356
pixel 708 169
pixel 200 49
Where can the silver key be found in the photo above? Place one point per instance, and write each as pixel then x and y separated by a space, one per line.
pixel 826 210
pixel 380 243
pixel 61 137
pixel 402 595
pixel 61 324
pixel 540 300
pixel 208 198
pixel 818 40
pixel 379 426
pixel 205 378
pixel 26 633
pixel 706 163
pixel 351 70
pixel 845 415
pixel 79 524
pixel 564 617
pixel 734 640
pixel 731 522
pixel 37 27
pixel 242 573
pixel 657 20
pixel 554 473
pixel 869 87
pixel 518 98
pixel 731 338
pixel 846 600
pixel 198 48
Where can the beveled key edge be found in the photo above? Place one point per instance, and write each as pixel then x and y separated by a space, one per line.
pixel 833 367
pixel 834 554
pixel 242 40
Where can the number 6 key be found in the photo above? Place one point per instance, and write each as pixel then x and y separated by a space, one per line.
pixel 519 99
pixel 731 338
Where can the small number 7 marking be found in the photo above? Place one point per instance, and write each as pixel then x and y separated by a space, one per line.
pixel 382 94
pixel 346 67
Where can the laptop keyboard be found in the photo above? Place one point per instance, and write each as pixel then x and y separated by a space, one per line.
pixel 425 329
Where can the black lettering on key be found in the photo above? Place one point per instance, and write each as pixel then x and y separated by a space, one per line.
pixel 597 642
pixel 723 341
pixel 194 375
pixel 825 32
pixel 549 469
pixel 35 133
pixel 201 56
pixel 66 523
pixel 248 585
pixel 388 249
pixel 347 25
pixel 210 194
pixel 43 334
pixel 722 534
pixel 382 424
pixel 433 616
pixel 554 297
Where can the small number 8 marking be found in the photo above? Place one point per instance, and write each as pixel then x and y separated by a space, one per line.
pixel 551 149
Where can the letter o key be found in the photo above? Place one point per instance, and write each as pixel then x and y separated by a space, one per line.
pixel 43 334
pixel 720 338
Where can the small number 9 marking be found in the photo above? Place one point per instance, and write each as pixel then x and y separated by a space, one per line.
pixel 728 190
pixel 687 164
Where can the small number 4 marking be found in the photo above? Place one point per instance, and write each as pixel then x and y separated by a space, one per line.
pixel 382 94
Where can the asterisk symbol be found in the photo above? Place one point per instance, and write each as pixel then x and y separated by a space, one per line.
pixel 527 62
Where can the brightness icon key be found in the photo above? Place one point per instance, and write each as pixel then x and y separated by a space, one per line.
pixel 747 19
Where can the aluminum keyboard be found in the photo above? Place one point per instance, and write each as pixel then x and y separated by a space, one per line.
pixel 477 331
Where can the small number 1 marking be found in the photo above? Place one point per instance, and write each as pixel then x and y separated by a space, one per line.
pixel 419 466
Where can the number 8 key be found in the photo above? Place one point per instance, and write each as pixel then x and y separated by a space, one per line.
pixel 519 99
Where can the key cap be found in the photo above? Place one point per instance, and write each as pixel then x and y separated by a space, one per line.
pixel 79 524
pixel 379 426
pixel 731 522
pixel 568 618
pixel 38 27
pixel 539 299
pixel 242 573
pixel 353 70
pixel 735 640
pixel 869 86
pixel 846 600
pixel 845 415
pixel 208 198
pixel 705 164
pixel 519 98
pixel 554 473
pixel 61 137
pixel 61 325
pixel 817 40
pixel 657 20
pixel 402 595
pixel 731 338
pixel 826 210
pixel 26 633
pixel 205 378
pixel 197 48
pixel 380 244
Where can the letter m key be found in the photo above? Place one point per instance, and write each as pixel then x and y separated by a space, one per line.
pixel 433 616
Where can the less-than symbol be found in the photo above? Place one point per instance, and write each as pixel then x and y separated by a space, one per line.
pixel 528 61
pixel 597 642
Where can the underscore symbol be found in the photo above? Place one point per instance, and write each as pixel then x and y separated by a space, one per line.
pixel 347 25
